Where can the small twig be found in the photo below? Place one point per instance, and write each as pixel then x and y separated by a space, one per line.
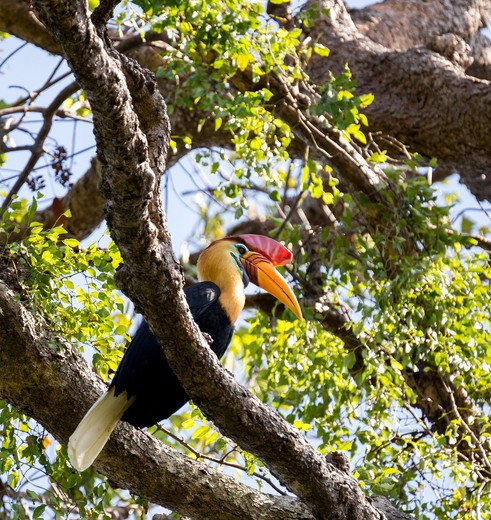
pixel 467 428
pixel 465 210
pixel 290 214
pixel 220 461
pixel 39 143
pixel 31 96
pixel 478 499
pixel 30 109
pixel 15 51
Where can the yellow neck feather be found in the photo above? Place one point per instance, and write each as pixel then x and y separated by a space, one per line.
pixel 216 265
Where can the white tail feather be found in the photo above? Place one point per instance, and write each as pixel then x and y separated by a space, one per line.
pixel 91 435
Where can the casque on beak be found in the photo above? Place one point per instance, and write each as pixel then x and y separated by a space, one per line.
pixel 262 272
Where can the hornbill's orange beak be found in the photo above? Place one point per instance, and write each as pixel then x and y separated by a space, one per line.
pixel 261 272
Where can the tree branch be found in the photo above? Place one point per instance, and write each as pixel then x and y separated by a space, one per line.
pixel 38 147
pixel 418 110
pixel 18 18
pixel 415 92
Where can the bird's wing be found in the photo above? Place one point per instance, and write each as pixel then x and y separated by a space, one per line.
pixel 201 297
pixel 144 359
pixel 209 315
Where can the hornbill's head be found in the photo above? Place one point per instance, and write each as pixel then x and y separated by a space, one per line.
pixel 232 262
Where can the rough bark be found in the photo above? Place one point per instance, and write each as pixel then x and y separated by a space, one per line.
pixel 415 92
pixel 403 103
pixel 417 107
pixel 406 24
pixel 18 18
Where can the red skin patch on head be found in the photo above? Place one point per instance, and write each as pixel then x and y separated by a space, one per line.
pixel 275 252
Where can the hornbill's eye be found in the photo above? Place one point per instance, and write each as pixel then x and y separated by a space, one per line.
pixel 242 249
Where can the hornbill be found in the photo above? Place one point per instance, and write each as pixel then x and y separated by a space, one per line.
pixel 144 390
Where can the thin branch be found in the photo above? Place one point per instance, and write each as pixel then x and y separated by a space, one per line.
pixel 38 146
pixel 13 53
pixel 133 458
pixel 220 461
pixel 463 423
pixel 41 110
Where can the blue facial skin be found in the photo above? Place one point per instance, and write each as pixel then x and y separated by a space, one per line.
pixel 242 250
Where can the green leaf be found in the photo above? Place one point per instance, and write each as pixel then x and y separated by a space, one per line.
pixel 188 424
pixel 39 511
pixel 201 431
pixel 71 242
pixel 349 360
pixel 321 50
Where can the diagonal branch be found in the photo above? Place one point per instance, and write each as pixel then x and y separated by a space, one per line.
pixel 416 105
pixel 18 18
pixel 415 92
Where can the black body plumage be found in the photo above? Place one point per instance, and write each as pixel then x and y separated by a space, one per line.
pixel 144 371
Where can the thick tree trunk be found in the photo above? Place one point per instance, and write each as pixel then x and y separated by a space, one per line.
pixel 132 134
